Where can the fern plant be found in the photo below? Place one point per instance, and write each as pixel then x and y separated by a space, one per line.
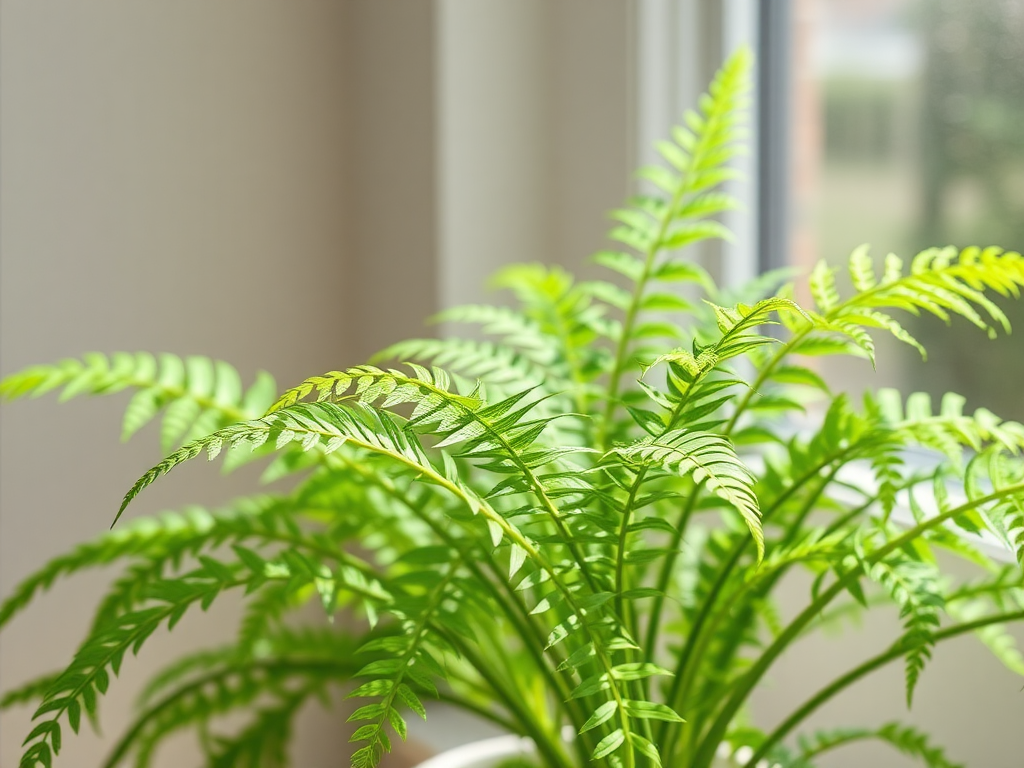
pixel 599 498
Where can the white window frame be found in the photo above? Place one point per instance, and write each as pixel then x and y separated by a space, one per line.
pixel 679 45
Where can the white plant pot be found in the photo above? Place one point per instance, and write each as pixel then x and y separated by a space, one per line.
pixel 487 753
pixel 481 754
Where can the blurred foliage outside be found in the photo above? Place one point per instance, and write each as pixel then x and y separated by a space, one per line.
pixel 932 154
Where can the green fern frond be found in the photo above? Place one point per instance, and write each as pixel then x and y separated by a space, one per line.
pixel 208 684
pixel 29 692
pixel 709 459
pixel 490 362
pixel 655 227
pixel 996 637
pixel 689 371
pixel 565 315
pixel 159 543
pixel 514 327
pixel 913 586
pixel 492 507
pixel 906 739
pixel 408 659
pixel 941 282
pixel 187 668
pixel 487 432
pixel 994 470
pixel 263 744
pixel 331 425
pixel 263 613
pixel 949 430
pixel 197 395
pixel 88 675
pixel 498 432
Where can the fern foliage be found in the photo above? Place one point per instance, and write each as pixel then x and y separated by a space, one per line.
pixel 905 739
pixel 573 521
pixel 196 395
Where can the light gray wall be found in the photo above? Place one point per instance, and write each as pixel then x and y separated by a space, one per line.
pixel 391 175
pixel 200 177
pixel 533 145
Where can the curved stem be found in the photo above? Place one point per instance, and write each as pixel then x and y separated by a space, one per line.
pixel 470 706
pixel 868 666
pixel 520 619
pixel 746 684
pixel 698 639
pixel 479 506
pixel 670 559
pixel 548 745
pixel 762 377
pixel 667 567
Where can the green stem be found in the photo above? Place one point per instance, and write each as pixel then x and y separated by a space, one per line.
pixel 548 745
pixel 519 618
pixel 530 642
pixel 667 567
pixel 626 335
pixel 787 347
pixel 746 684
pixel 762 377
pixel 868 666
pixel 620 557
pixel 622 347
pixel 669 563
pixel 572 361
pixel 698 639
pixel 479 506
pixel 622 608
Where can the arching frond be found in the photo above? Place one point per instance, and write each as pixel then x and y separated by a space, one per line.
pixel 408 659
pixel 904 738
pixel 210 684
pixel 656 227
pixel 948 430
pixel 88 675
pixel 914 587
pixel 197 395
pixel 711 460
pixel 942 282
pixel 157 544
pixel 494 364
pixel 690 385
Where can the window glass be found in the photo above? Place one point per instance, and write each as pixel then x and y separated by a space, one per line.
pixel 908 131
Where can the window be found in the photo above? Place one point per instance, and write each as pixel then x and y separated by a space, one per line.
pixel 898 123
pixel 905 131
